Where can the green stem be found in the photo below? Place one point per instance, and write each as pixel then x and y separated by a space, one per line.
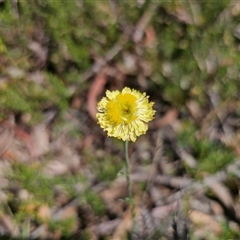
pixel 128 170
pixel 129 182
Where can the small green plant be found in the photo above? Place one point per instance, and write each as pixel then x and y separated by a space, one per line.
pixel 211 156
pixel 95 201
pixel 39 188
pixel 65 226
pixel 229 233
pixel 107 167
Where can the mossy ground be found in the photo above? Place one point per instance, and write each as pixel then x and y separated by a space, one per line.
pixel 51 55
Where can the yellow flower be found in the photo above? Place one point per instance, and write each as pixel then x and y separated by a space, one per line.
pixel 125 114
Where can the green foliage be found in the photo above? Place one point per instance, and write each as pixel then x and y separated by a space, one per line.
pixel 40 190
pixel 26 98
pixel 188 50
pixel 228 233
pixel 187 133
pixel 211 156
pixel 76 31
pixel 106 166
pixel 68 31
pixel 195 50
pixel 65 226
pixel 30 177
pixel 86 235
pixel 95 201
pixel 58 91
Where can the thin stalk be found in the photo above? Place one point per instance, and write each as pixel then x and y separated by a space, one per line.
pixel 128 170
pixel 130 199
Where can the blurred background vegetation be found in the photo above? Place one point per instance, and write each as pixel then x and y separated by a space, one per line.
pixel 184 54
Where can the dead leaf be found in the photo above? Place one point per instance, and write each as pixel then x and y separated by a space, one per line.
pixel 150 36
pixel 54 168
pixel 6 136
pixel 167 119
pixel 76 102
pixel 15 143
pixel 104 228
pixel 162 212
pixel 221 192
pixel 44 212
pixel 39 51
pixel 40 136
pixel 206 222
pixel 115 192
pixel 9 225
pixel 95 89
pixel 124 226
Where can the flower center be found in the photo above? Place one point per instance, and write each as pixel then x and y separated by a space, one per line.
pixel 122 109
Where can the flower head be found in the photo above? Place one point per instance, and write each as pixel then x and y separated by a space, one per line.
pixel 125 114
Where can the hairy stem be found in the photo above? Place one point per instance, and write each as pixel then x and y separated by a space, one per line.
pixel 129 182
pixel 128 170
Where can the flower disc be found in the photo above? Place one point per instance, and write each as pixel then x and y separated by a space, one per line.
pixel 125 114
